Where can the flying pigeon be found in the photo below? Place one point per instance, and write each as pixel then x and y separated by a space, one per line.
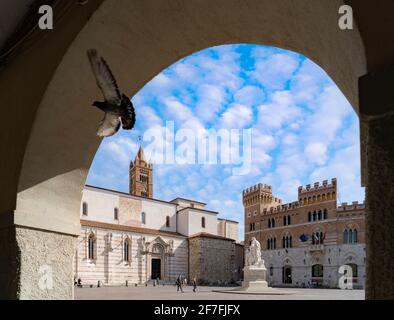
pixel 118 108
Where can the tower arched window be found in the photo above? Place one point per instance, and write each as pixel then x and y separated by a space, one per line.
pixel 116 213
pixel 203 223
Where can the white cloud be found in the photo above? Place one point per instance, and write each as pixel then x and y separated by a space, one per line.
pixel 274 71
pixel 316 152
pixel 236 116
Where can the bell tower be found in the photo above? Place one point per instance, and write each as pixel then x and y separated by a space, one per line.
pixel 141 176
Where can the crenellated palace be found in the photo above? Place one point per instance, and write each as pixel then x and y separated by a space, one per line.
pixel 306 242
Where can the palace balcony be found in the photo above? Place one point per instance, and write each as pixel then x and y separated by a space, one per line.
pixel 316 247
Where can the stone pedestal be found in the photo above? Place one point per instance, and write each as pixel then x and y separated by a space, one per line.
pixel 255 278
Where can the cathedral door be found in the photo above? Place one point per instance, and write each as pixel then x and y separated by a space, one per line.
pixel 156 268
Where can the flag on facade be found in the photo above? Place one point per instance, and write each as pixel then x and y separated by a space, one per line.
pixel 303 237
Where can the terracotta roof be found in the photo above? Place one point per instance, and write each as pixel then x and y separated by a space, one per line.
pixel 209 235
pixel 103 225
pixel 180 198
pixel 228 220
pixel 197 209
pixel 127 195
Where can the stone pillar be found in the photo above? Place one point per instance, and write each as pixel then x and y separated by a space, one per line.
pixel 38 239
pixel 35 264
pixel 377 158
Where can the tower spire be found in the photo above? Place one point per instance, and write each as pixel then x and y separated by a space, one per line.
pixel 141 176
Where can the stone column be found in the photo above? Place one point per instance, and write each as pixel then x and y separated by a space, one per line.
pixel 38 240
pixel 377 143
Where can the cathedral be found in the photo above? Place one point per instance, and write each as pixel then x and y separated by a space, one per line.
pixel 133 238
pixel 307 242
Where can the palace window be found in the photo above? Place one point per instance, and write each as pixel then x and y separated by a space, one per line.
pixel 85 208
pixel 317 238
pixel 115 213
pixel 309 216
pixel 314 215
pixel 317 271
pixel 350 236
pixel 143 218
pixel 325 214
pixel 287 242
pixel 273 223
pixel 167 221
pixel 269 223
pixel 284 220
pixel 127 250
pixel 91 247
pixel 319 215
pixel 288 220
pixel 203 222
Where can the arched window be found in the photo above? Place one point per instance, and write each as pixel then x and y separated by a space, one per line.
pixel 143 218
pixel 273 223
pixel 274 243
pixel 355 240
pixel 314 215
pixel 284 242
pixel 203 223
pixel 319 215
pixel 115 213
pixel 269 223
pixel 317 271
pixel 127 250
pixel 91 247
pixel 345 236
pixel 288 220
pixel 268 244
pixel 271 271
pixel 85 208
pixel 167 221
pixel 325 214
pixel 309 216
pixel 284 220
pixel 323 197
pixel 350 236
pixel 291 242
pixel 321 238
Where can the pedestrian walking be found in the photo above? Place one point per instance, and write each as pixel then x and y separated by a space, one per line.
pixel 194 283
pixel 179 284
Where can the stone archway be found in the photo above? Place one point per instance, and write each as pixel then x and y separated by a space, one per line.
pixel 48 159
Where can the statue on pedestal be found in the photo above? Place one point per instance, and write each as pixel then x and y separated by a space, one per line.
pixel 253 254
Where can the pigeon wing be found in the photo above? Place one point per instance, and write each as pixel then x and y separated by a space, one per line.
pixel 128 117
pixel 104 77
pixel 109 125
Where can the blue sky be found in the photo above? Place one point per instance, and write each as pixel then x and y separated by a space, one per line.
pixel 303 128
